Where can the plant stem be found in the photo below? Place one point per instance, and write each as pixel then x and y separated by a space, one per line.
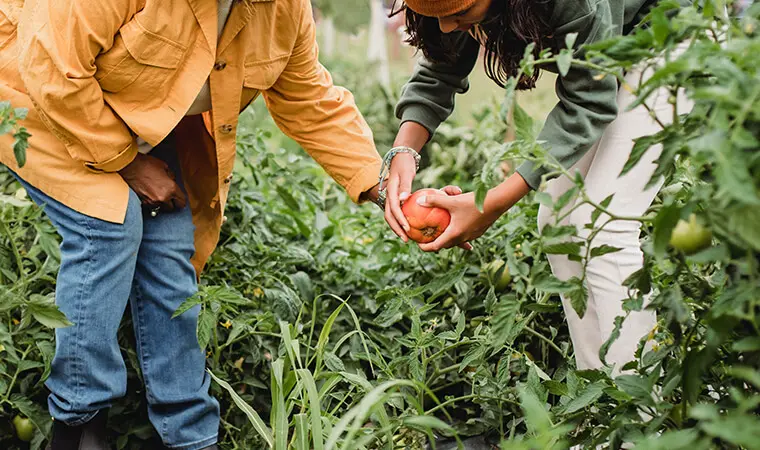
pixel 16 253
pixel 545 339
pixel 469 397
pixel 15 374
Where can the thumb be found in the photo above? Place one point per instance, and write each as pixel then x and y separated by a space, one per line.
pixel 435 201
pixel 405 187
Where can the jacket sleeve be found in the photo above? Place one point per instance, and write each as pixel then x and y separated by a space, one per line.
pixel 586 105
pixel 321 117
pixel 59 40
pixel 428 96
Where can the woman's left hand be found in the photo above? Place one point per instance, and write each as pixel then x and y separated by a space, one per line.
pixel 402 171
pixel 467 223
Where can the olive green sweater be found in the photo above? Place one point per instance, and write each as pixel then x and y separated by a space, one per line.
pixel 586 105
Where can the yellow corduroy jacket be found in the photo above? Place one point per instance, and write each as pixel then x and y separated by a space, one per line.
pixel 95 74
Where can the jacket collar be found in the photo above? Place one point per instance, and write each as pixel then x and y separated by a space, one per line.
pixel 205 12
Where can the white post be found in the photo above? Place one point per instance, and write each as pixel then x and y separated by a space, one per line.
pixel 377 51
pixel 329 36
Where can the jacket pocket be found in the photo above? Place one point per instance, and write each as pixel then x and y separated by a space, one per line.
pixel 138 57
pixel 261 75
pixel 9 13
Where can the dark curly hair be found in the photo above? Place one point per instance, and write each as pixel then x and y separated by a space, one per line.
pixel 508 28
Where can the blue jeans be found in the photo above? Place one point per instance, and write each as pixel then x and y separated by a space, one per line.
pixel 144 262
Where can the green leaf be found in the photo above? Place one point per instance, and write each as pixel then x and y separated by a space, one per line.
pixel 536 415
pixel 586 397
pixel 617 394
pixel 660 26
pixel 746 373
pixel 578 298
pixel 426 423
pixel 525 129
pixel 564 61
pixel 333 362
pixel 611 340
pixel 301 432
pixel 20 113
pixel 443 283
pixel 748 344
pixel 460 324
pixel 503 322
pixel 673 440
pixel 473 356
pixel 640 280
pixel 253 417
pixel 635 386
pixel 324 335
pixel 557 388
pixel 206 324
pixel 564 248
pixel 279 415
pixel 669 303
pixel 49 315
pixel 188 304
pixel 554 231
pixel 604 250
pixel 664 222
pixel 640 146
pixel 26 364
pixel 20 145
pixel 570 39
pixel 743 222
pixel 740 430
pixel 288 198
pixel 547 282
pixel 315 408
pixel 39 416
pixel 47 350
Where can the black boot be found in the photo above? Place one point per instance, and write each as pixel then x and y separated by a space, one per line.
pixel 90 436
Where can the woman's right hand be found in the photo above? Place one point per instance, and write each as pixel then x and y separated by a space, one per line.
pixel 153 182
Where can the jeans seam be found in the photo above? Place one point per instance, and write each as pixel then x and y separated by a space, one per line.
pixel 139 341
pixel 79 323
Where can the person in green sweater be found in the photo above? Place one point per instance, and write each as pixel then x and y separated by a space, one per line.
pixel 590 131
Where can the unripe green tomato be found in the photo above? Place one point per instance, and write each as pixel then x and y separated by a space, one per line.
pixel 498 273
pixel 690 237
pixel 24 428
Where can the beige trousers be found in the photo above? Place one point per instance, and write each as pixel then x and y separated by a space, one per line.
pixel 600 168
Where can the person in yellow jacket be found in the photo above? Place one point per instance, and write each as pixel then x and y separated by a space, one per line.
pixel 133 111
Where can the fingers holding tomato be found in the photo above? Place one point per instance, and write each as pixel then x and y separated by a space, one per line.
pixel 426 224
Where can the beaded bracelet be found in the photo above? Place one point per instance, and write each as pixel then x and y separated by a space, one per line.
pixel 386 168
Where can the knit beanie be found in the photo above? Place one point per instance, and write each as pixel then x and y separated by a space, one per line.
pixel 438 8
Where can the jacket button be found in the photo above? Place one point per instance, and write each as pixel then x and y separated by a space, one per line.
pixel 228 179
pixel 224 219
pixel 226 128
pixel 220 65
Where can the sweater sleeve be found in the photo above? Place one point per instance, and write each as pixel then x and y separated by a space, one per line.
pixel 586 105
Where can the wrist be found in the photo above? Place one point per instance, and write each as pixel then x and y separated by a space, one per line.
pixel 505 195
pixel 413 135
pixel 371 193
pixel 128 168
